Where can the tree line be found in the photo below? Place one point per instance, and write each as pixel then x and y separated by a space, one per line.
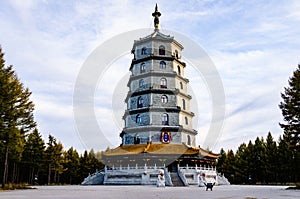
pixel 24 155
pixel 263 161
pixel 48 163
pixel 267 161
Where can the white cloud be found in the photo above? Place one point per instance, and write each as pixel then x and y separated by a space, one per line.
pixel 253 81
pixel 293 9
pixel 23 8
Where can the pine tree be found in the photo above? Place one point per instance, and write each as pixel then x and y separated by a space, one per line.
pixel 229 166
pixel 285 169
pixel 221 160
pixel 54 160
pixel 71 166
pixel 89 164
pixel 16 148
pixel 250 159
pixel 33 155
pixel 259 154
pixel 16 114
pixel 242 169
pixel 290 108
pixel 271 163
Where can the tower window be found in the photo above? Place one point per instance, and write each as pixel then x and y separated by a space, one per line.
pixel 186 120
pixel 163 83
pixel 162 50
pixel 188 140
pixel 178 69
pixel 142 68
pixel 183 104
pixel 164 119
pixel 164 99
pixel 141 83
pixel 144 51
pixel 137 140
pixel 176 54
pixel 162 65
pixel 181 85
pixel 139 119
pixel 140 102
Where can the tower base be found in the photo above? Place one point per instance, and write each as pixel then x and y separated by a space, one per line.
pixel 140 164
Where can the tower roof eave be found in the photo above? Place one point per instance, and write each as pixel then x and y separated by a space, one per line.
pixel 150 57
pixel 153 148
pixel 156 36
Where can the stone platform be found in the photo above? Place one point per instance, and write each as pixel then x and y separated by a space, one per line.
pixel 150 192
pixel 147 175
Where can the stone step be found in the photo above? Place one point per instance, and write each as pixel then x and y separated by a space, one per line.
pixel 176 180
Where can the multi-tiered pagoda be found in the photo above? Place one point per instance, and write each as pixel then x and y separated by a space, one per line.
pixel 158 128
pixel 158 118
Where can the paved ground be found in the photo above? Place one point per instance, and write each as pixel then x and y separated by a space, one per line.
pixel 152 192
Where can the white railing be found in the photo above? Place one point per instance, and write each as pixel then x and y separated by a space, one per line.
pixel 203 168
pixel 135 168
pixel 155 167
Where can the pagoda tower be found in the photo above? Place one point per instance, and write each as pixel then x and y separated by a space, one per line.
pixel 158 134
pixel 158 120
pixel 158 105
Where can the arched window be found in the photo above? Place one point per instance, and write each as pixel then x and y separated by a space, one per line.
pixel 181 85
pixel 140 102
pixel 138 119
pixel 186 120
pixel 176 54
pixel 162 65
pixel 137 140
pixel 141 83
pixel 183 104
pixel 178 69
pixel 162 50
pixel 144 51
pixel 188 140
pixel 164 99
pixel 163 83
pixel 142 68
pixel 164 119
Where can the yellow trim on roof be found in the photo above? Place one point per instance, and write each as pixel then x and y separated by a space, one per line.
pixel 157 148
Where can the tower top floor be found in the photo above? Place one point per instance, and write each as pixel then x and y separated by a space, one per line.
pixel 156 43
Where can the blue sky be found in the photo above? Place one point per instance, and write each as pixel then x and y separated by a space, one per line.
pixel 255 46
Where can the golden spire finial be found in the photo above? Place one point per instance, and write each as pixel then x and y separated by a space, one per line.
pixel 156 16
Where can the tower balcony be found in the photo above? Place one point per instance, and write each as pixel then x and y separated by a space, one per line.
pixel 152 128
pixel 159 128
pixel 152 88
pixel 152 73
pixel 151 56
pixel 153 108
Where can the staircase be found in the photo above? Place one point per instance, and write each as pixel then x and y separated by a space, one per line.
pixel 94 179
pixel 222 180
pixel 176 180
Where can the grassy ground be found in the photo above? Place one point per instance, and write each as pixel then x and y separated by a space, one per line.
pixel 15 186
